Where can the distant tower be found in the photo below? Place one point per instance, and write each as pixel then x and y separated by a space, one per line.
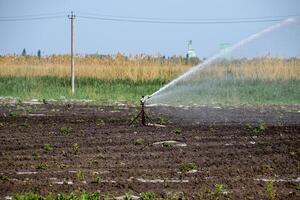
pixel 224 50
pixel 191 52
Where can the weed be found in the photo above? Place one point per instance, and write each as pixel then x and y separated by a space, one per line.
pixel 28 196
pixel 97 180
pixel 138 141
pixel 248 126
pixel 211 130
pixel 48 147
pixel 174 196
pixel 203 194
pixel 93 162
pixel 1 124
pixel 3 178
pixel 178 130
pixel 25 124
pixel 82 196
pixel 220 192
pixel 267 167
pixel 80 175
pixel 65 197
pixel 66 130
pixel 89 196
pixel 147 196
pixel 35 154
pixel 167 145
pixel 128 196
pixel 271 192
pixel 42 166
pixel 162 121
pixel 260 128
pixel 298 190
pixel 13 114
pixel 100 122
pixel 75 148
pixel 13 125
pixel 185 167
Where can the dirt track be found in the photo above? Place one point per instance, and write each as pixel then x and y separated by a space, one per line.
pixel 225 144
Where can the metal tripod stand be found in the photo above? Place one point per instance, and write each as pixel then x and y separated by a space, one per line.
pixel 141 114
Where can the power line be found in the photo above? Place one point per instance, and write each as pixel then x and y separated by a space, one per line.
pixel 185 19
pixel 137 20
pixel 31 18
pixel 35 15
pixel 94 16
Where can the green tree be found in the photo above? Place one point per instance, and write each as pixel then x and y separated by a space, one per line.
pixel 24 52
pixel 39 54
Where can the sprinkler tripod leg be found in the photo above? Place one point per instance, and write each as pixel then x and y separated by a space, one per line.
pixel 141 114
pixel 134 119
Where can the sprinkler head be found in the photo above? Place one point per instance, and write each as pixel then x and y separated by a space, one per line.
pixel 144 98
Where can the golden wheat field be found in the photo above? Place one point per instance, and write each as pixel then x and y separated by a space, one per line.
pixel 143 68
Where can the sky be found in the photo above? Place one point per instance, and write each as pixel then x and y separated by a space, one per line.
pixel 52 36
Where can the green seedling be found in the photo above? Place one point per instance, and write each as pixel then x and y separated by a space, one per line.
pixel 211 130
pixel 185 167
pixel 260 128
pixel 75 148
pixel 3 178
pixel 25 124
pixel 28 196
pixel 100 122
pixel 147 196
pixel 174 196
pixel 13 114
pixel 93 162
pixel 128 196
pixel 48 147
pixel 80 175
pixel 298 190
pixel 220 193
pixel 138 141
pixel 42 166
pixel 162 121
pixel 167 145
pixel 178 131
pixel 13 125
pixel 89 196
pixel 271 192
pixel 97 180
pixel 66 130
pixel 35 154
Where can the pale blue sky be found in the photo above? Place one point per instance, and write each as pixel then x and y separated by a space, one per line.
pixel 106 37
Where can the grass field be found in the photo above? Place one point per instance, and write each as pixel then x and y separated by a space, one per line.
pixel 104 91
pixel 107 79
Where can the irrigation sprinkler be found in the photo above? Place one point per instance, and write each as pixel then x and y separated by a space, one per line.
pixel 142 114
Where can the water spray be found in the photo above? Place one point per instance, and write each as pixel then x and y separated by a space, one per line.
pixel 236 46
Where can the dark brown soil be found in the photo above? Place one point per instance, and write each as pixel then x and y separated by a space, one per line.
pixel 228 146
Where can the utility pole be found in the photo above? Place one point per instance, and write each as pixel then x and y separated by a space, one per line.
pixel 72 17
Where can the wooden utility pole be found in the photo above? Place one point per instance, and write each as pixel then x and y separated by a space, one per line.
pixel 72 17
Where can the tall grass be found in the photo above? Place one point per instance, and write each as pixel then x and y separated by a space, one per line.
pixel 137 68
